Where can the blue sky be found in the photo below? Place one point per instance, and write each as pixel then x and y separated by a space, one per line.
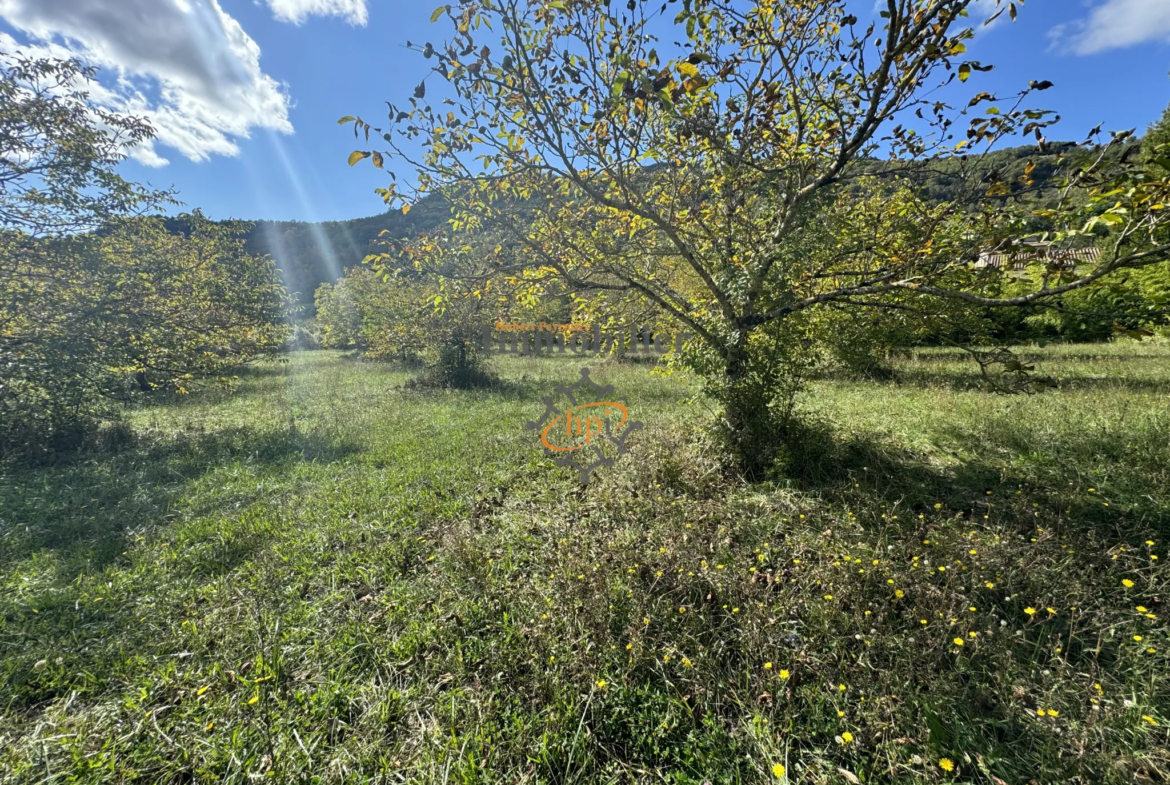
pixel 246 93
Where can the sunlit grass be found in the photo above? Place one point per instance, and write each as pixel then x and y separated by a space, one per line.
pixel 327 577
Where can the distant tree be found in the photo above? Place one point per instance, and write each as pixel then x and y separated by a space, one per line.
pixel 338 316
pixel 390 312
pixel 708 180
pixel 1157 135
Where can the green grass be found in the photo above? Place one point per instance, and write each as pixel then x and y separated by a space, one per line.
pixel 325 577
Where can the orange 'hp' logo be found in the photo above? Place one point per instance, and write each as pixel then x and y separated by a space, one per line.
pixel 597 429
pixel 586 426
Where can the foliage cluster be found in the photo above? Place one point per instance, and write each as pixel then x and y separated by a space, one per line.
pixel 98 302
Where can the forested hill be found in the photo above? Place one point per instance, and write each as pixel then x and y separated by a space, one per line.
pixel 309 254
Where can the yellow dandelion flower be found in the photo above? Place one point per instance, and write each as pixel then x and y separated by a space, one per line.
pixel 778 770
pixel 1137 638
pixel 899 593
pixel 972 635
pixel 601 684
pixel 958 641
pixel 828 596
pixel 1149 719
pixel 847 736
pixel 841 687
pixel 686 663
pixel 784 674
pixel 1141 609
pixel 767 666
pixel 1030 611
pixel 682 610
pixel 1127 583
pixel 946 764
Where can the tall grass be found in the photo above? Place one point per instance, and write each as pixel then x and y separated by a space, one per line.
pixel 328 577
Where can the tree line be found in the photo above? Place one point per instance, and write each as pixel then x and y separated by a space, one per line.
pixel 103 300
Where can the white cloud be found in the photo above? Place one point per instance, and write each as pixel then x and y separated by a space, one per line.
pixel 295 11
pixel 1114 24
pixel 185 64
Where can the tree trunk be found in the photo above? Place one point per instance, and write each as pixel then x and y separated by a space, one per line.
pixel 752 433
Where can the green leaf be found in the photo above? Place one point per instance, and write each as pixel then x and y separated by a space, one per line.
pixel 620 84
pixel 356 156
pixel 346 119
pixel 377 159
pixel 688 70
pixel 438 12
pixel 964 72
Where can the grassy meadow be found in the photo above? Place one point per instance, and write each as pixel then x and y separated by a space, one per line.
pixel 325 576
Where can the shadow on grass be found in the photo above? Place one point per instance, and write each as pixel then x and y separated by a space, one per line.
pixel 972 381
pixel 857 471
pixel 86 507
